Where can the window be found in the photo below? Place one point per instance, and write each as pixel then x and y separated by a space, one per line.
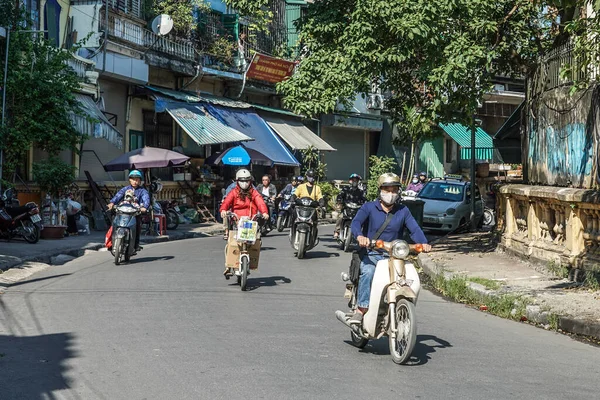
pixel 136 140
pixel 449 148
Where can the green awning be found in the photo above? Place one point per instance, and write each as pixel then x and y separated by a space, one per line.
pixel 202 127
pixel 484 145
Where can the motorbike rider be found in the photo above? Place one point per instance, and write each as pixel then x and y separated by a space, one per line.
pixel 309 189
pixel 415 185
pixel 369 218
pixel 142 196
pixel 353 194
pixel 267 189
pixel 290 188
pixel 244 200
pixel 423 177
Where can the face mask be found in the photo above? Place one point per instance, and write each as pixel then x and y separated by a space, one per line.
pixel 415 180
pixel 388 198
pixel 354 184
pixel 310 179
pixel 244 185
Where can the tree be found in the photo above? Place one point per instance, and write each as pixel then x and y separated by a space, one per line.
pixel 40 96
pixel 183 13
pixel 437 55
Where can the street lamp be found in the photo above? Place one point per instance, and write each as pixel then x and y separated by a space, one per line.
pixel 5 31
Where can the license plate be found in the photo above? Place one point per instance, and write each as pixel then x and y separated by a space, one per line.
pixel 177 208
pixel 430 219
pixel 35 218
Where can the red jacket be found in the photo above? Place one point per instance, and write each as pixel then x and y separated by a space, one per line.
pixel 247 207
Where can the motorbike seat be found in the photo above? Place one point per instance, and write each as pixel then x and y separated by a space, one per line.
pixel 15 211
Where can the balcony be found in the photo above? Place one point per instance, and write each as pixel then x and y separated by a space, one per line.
pixel 84 68
pixel 130 32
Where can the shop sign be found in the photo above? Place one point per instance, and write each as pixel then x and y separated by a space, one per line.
pixel 269 69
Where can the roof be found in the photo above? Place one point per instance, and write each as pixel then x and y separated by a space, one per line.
pixel 276 110
pixel 462 135
pixel 191 97
pixel 296 135
pixel 511 125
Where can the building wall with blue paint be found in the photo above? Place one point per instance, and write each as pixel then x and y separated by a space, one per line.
pixel 561 139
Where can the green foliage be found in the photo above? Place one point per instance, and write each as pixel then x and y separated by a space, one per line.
pixel 258 10
pixel 437 55
pixel 183 13
pixel 53 175
pixel 413 126
pixel 378 166
pixel 39 96
pixel 487 283
pixel 330 193
pixel 311 159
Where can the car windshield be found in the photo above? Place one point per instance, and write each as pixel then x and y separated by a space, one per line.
pixel 442 191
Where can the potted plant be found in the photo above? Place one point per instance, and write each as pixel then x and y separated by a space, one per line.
pixel 53 176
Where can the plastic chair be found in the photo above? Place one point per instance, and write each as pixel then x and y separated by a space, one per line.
pixel 162 223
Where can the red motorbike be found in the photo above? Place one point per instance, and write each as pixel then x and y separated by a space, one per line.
pixel 171 210
pixel 19 221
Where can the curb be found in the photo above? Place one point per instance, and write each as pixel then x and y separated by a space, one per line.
pixel 533 313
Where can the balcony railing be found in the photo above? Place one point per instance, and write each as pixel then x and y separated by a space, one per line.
pixel 81 66
pixel 122 29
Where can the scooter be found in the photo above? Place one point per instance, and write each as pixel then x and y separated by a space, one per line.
pixel 304 232
pixel 171 211
pixel 124 230
pixel 268 225
pixel 19 221
pixel 349 212
pixel 394 292
pixel 245 236
pixel 284 216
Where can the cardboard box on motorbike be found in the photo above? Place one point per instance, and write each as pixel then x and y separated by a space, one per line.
pixel 232 253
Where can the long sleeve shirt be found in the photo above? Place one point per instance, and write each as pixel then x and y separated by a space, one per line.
pixel 141 194
pixel 246 207
pixel 371 216
pixel 302 191
pixel 351 195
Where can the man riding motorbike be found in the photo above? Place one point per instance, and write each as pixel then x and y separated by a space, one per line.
pixel 309 189
pixel 268 190
pixel 372 216
pixel 290 188
pixel 349 194
pixel 243 201
pixel 142 196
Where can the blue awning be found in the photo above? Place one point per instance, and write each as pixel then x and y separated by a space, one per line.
pixel 250 124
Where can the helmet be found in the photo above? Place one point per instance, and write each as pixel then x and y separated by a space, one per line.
pixel 355 176
pixel 243 175
pixel 135 174
pixel 310 173
pixel 300 178
pixel 423 174
pixel 388 179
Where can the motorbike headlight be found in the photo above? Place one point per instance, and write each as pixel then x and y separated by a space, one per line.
pixel 450 211
pixel 400 249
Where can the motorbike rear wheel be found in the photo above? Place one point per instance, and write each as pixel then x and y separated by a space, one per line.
pixel 172 220
pixel 402 346
pixel 488 217
pixel 357 341
pixel 280 221
pixel 244 273
pixel 31 232
pixel 117 244
pixel 301 245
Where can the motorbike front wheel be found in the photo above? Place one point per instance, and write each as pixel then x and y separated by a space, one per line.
pixel 31 232
pixel 301 245
pixel 172 220
pixel 280 223
pixel 402 346
pixel 244 273
pixel 488 217
pixel 117 244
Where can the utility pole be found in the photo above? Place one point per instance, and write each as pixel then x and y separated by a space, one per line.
pixel 4 100
pixel 473 172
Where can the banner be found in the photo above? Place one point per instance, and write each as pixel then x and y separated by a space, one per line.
pixel 269 69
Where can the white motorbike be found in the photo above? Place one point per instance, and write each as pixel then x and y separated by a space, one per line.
pixel 394 292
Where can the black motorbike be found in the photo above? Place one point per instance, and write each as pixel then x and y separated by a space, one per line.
pixel 124 231
pixel 284 216
pixel 269 224
pixel 19 221
pixel 348 213
pixel 304 232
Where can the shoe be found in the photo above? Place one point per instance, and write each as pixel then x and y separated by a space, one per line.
pixel 336 235
pixel 227 273
pixel 356 318
pixel 139 248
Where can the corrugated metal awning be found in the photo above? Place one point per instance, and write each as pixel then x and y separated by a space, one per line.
pixel 461 134
pixel 296 135
pixel 191 97
pixel 100 127
pixel 202 127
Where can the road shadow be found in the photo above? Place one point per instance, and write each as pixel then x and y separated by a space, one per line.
pixel 266 248
pixel 35 367
pixel 320 254
pixel 421 352
pixel 35 280
pixel 262 281
pixel 150 259
pixel 466 243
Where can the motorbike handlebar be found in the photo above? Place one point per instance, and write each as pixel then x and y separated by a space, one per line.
pixel 386 246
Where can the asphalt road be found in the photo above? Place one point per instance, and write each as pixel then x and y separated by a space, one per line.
pixel 169 326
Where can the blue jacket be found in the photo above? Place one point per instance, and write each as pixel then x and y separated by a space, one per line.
pixel 142 196
pixel 371 216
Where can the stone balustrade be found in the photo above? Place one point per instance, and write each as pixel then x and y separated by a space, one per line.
pixel 551 224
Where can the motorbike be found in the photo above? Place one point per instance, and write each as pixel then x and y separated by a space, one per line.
pixel 19 221
pixel 268 225
pixel 124 229
pixel 171 211
pixel 304 232
pixel 246 235
pixel 348 213
pixel 394 292
pixel 284 216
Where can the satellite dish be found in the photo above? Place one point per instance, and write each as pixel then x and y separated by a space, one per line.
pixel 162 25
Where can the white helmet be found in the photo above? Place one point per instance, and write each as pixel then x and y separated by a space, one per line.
pixel 243 175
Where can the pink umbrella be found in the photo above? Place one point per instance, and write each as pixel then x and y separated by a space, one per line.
pixel 146 157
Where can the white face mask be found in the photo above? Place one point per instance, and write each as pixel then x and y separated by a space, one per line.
pixel 388 198
pixel 415 180
pixel 244 185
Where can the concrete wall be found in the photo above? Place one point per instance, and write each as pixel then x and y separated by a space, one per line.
pixel 350 156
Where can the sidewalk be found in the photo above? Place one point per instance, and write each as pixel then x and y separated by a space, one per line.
pixel 535 292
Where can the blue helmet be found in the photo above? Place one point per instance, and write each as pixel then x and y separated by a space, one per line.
pixel 135 174
pixel 355 176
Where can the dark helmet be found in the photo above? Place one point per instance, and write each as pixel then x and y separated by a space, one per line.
pixel 310 173
pixel 300 178
pixel 355 176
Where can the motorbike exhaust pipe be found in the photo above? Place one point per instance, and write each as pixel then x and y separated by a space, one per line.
pixel 343 318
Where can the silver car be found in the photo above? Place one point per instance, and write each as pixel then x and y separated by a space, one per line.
pixel 448 204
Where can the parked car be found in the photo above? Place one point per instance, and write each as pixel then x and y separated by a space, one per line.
pixel 448 204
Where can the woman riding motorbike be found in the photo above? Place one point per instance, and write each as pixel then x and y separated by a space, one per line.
pixel 243 201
